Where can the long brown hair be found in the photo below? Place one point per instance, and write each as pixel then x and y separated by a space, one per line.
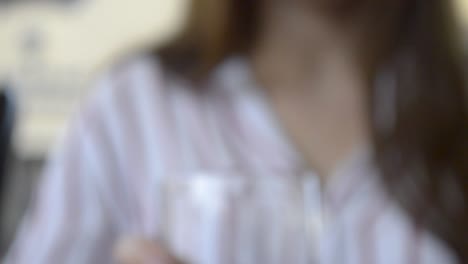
pixel 421 148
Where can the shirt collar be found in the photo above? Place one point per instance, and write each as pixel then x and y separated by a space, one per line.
pixel 235 77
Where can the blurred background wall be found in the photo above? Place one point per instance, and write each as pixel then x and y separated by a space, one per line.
pixel 50 51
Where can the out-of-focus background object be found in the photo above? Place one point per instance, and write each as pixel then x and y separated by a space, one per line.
pixel 7 117
pixel 49 52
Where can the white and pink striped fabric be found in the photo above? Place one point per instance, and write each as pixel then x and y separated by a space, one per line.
pixel 145 123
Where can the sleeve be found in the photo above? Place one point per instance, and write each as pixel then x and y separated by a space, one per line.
pixel 69 220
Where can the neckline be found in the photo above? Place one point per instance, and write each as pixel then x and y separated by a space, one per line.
pixel 236 76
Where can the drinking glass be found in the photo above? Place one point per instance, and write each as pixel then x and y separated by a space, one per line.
pixel 232 218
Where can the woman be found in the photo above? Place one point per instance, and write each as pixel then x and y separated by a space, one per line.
pixel 334 76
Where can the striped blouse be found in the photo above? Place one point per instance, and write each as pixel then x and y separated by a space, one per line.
pixel 143 123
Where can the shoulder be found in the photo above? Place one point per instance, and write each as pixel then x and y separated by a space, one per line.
pixel 126 101
pixel 133 84
pixel 129 75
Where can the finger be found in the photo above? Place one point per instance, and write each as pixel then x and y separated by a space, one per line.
pixel 140 251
